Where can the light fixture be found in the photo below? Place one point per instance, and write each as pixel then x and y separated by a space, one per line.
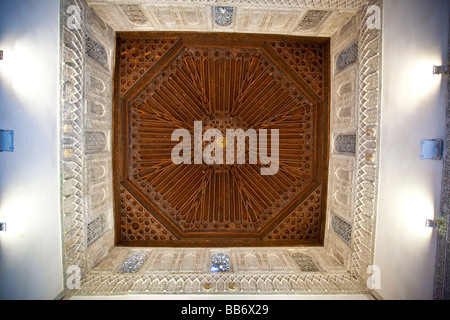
pixel 430 223
pixel 436 223
pixel 441 70
pixel 431 149
pixel 1 54
pixel 6 140
pixel 2 226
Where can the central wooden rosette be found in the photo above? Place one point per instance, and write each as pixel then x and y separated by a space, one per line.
pixel 223 122
pixel 248 87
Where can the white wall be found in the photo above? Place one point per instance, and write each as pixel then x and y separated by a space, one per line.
pixel 414 102
pixel 30 250
pixel 415 38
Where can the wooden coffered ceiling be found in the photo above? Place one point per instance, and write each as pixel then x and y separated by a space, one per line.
pixel 167 81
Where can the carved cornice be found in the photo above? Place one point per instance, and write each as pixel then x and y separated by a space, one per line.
pixel 313 4
pixel 370 76
pixel 299 17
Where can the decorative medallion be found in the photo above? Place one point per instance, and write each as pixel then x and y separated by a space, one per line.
pixel 96 228
pixel 312 19
pixel 96 51
pixel 134 13
pixel 342 229
pixel 220 262
pixel 305 262
pixel 133 263
pixel 347 57
pixel 345 143
pixel 223 16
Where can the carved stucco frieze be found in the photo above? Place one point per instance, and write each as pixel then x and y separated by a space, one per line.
pixel 86 84
pixel 367 159
pixel 274 271
pixel 72 146
pixel 299 17
pixel 344 99
pixel 310 4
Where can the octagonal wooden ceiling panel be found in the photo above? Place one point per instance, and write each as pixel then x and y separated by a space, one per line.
pixel 166 82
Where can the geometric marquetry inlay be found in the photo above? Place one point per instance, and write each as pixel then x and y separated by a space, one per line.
pixel 175 81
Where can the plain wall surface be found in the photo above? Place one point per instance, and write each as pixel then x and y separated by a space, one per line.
pixel 415 39
pixel 30 249
pixel 415 36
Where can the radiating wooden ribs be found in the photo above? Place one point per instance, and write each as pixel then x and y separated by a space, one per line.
pixel 248 88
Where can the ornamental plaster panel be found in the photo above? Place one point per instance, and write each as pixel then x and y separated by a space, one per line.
pixel 299 17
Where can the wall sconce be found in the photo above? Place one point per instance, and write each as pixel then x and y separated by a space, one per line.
pixel 436 223
pixel 441 70
pixel 2 226
pixel 6 140
pixel 432 223
pixel 1 54
pixel 431 149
